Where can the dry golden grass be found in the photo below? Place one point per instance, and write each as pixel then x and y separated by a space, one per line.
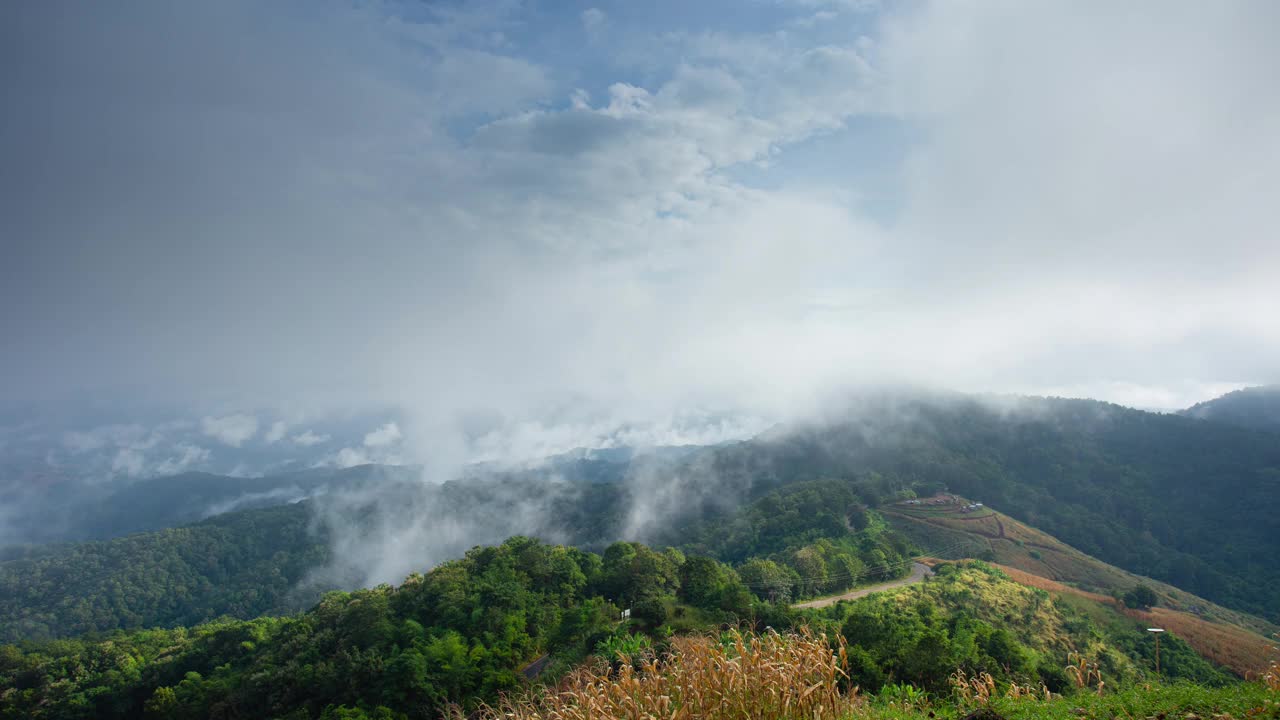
pixel 1022 577
pixel 744 677
pixel 1084 673
pixel 978 688
pixel 984 525
pixel 982 687
pixel 1243 652
pixel 1235 648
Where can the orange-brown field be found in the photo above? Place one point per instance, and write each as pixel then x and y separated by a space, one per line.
pixel 1023 577
pixel 1244 652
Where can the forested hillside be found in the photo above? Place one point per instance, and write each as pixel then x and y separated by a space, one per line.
pixel 461 632
pixel 1192 503
pixel 1257 408
pixel 490 621
pixel 806 539
pixel 242 564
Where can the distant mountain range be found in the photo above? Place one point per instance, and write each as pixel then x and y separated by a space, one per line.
pixel 1191 503
pixel 72 511
pixel 65 509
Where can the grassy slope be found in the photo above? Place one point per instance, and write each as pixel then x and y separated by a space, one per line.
pixel 1038 620
pixel 1232 639
pixel 1242 651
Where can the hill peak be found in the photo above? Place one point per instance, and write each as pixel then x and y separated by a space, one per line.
pixel 1256 408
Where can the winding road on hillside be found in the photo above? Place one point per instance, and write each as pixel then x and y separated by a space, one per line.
pixel 919 571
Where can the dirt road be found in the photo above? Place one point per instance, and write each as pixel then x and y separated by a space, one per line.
pixel 918 573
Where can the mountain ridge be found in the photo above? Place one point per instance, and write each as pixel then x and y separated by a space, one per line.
pixel 1256 408
pixel 1167 497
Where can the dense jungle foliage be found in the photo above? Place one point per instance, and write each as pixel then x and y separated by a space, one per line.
pixel 241 564
pixel 462 631
pixel 804 540
pixel 487 623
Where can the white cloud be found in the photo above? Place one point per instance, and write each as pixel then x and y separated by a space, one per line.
pixel 232 430
pixel 1006 206
pixel 277 432
pixel 524 440
pixel 593 22
pixel 309 438
pixel 129 462
pixel 350 457
pixel 386 435
pixel 381 446
pixel 188 456
pixel 578 246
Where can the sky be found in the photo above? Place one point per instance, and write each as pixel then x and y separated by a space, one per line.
pixel 531 225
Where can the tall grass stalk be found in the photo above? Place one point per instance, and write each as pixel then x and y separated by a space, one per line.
pixel 734 677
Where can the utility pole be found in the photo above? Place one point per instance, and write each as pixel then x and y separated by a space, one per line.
pixel 1156 632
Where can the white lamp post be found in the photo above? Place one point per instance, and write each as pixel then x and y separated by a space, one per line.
pixel 1156 632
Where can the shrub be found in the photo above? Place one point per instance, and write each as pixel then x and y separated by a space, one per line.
pixel 1141 596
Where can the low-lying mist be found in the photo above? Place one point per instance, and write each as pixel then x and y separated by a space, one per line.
pixel 402 520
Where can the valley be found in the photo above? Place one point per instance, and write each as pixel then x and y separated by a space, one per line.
pixel 857 525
